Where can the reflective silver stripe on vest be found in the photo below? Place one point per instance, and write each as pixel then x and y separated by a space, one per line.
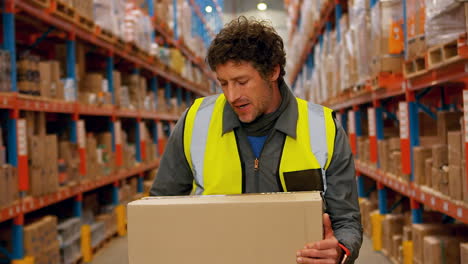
pixel 318 138
pixel 199 138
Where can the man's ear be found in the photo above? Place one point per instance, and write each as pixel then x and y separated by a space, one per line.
pixel 275 74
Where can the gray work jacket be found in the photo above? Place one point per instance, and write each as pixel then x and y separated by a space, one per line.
pixel 175 176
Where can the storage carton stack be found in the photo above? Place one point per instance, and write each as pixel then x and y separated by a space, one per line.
pixel 69 233
pixel 40 241
pixel 50 85
pixel 8 185
pixel 129 152
pixel 137 87
pixel 416 17
pixel 367 206
pixel 43 156
pixel 387 37
pixel 363 149
pixel 28 77
pixel 455 145
pixel 92 165
pixel 68 152
pixel 94 90
pixel 442 249
pixel 5 71
pixel 164 10
pixel 421 231
pixel 392 225
pixel 445 21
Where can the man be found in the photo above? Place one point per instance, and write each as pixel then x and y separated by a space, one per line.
pixel 257 137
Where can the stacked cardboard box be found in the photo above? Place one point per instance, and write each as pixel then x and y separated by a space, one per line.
pixel 93 165
pixel 455 165
pixel 442 249
pixel 68 152
pixel 5 71
pixel 392 225
pixel 94 90
pixel 129 152
pixel 367 206
pixel 28 76
pixel 104 152
pixel 50 85
pixel 8 185
pixel 363 149
pixel 40 240
pixel 421 231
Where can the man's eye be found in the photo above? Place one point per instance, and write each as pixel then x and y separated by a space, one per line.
pixel 242 83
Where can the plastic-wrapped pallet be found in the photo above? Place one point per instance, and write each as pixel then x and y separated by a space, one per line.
pixel 416 20
pixel 110 14
pixel 387 36
pixel 97 233
pixel 445 21
pixel 70 240
pixel 360 26
pixel 138 27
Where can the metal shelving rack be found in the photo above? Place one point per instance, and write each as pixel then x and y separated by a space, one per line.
pixel 14 103
pixel 352 108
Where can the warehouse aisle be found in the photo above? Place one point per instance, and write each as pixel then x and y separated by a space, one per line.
pixel 116 253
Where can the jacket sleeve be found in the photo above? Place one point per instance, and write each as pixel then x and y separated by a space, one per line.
pixel 174 175
pixel 341 196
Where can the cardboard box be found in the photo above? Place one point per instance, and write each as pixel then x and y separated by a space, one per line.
pixel 391 225
pixel 207 229
pixel 422 230
pixel 447 121
pixel 396 247
pixel 428 172
pixel 455 182
pixel 454 141
pixel 439 156
pixel 442 249
pixel 420 154
pixel 464 253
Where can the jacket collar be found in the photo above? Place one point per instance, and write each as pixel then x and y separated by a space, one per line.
pixel 286 122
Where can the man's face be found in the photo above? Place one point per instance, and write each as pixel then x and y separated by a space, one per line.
pixel 246 91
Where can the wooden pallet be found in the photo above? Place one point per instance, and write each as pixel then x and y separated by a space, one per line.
pixel 65 11
pixel 120 43
pixel 415 67
pixel 40 3
pixel 105 34
pixel 445 54
pixel 86 23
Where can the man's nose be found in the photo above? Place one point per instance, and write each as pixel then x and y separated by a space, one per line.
pixel 232 93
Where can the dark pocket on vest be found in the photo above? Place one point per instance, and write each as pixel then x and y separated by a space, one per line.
pixel 304 180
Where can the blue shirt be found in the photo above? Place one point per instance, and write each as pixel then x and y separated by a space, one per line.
pixel 257 144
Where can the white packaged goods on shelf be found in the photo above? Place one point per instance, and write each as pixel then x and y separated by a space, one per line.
pixel 137 27
pixel 360 25
pixel 445 21
pixel 109 15
pixel 97 233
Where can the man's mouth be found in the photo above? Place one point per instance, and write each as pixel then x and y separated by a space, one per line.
pixel 242 106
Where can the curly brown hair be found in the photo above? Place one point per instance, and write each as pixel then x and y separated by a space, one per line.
pixel 250 40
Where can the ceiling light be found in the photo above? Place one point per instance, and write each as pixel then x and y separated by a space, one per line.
pixel 208 9
pixel 262 6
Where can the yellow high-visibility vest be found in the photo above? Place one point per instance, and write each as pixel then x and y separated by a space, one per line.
pixel 214 157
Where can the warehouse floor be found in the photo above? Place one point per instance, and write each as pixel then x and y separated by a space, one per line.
pixel 116 253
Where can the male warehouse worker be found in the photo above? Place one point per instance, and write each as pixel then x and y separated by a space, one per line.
pixel 257 137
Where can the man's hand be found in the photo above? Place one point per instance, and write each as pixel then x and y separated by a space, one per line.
pixel 326 251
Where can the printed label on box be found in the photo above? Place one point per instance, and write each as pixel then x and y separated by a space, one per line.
pixel 22 139
pixel 404 122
